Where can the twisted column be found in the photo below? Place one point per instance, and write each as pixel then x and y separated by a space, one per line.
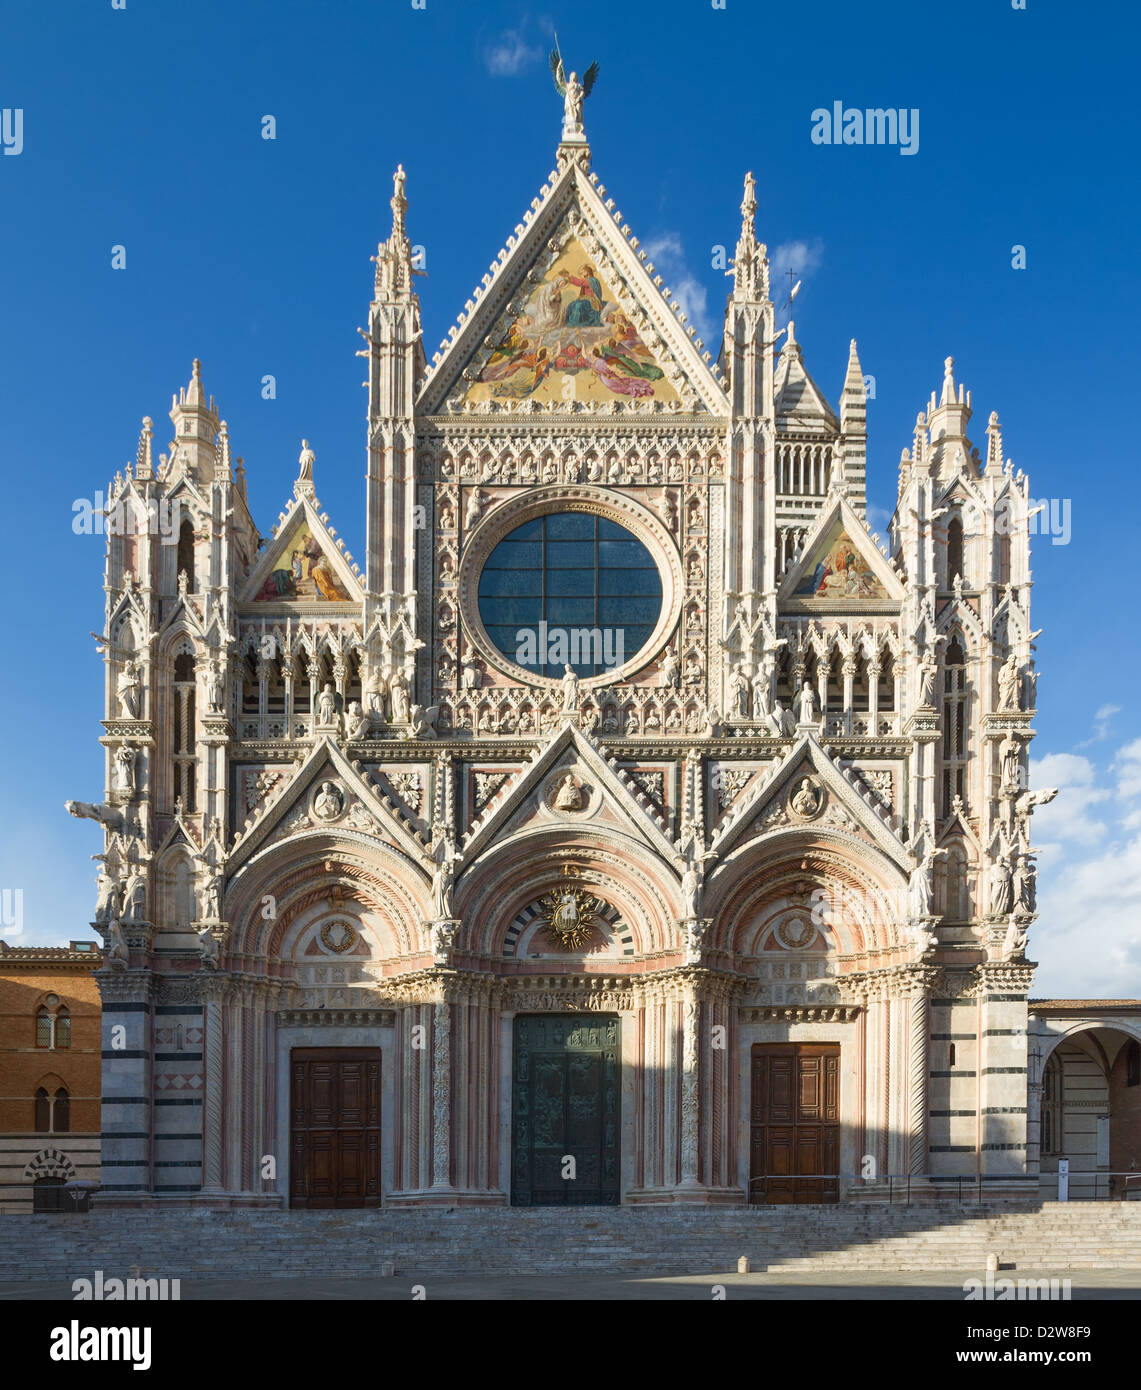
pixel 441 1093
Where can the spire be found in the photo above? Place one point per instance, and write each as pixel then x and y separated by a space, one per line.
pixel 398 203
pixel 223 469
pixel 394 257
pixel 750 263
pixel 993 445
pixel 854 377
pixel 195 419
pixel 240 478
pixel 144 459
pixel 791 347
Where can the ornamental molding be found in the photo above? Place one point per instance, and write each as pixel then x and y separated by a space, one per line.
pixel 336 1018
pixel 799 1013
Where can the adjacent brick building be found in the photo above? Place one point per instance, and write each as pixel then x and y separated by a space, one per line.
pixel 49 1072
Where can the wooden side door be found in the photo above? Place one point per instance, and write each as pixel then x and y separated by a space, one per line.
pixel 335 1127
pixel 795 1122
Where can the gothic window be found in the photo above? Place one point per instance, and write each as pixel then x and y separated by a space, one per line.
pixel 952 881
pixel 1004 558
pixel 249 684
pixel 886 693
pixel 1053 1083
pixel 1133 1063
pixel 53 1111
pixel 954 551
pixel 860 685
pixel 570 588
pixel 183 731
pixel 836 684
pixel 186 552
pixel 954 726
pixel 53 1025
pixel 785 691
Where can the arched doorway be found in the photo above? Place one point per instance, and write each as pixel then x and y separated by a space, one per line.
pixel 1090 1113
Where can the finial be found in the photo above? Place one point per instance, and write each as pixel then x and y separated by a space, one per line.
pixel 194 394
pixel 749 201
pixel 144 459
pixel 399 205
pixel 948 396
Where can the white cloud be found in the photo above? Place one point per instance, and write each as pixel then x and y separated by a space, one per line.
pixel 1102 721
pixel 789 262
pixel 668 255
pixel 1128 769
pixel 1067 818
pixel 1088 936
pixel 509 53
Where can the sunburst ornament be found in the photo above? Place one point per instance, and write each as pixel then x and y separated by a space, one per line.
pixel 568 916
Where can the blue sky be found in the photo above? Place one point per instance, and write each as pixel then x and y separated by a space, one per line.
pixel 141 128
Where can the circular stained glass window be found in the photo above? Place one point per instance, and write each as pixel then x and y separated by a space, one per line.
pixel 569 589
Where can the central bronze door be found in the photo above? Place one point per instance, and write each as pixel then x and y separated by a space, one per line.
pixel 566 1110
pixel 795 1122
pixel 335 1127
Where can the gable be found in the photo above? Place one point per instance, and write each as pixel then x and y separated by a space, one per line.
pixel 603 797
pixel 302 565
pixel 840 564
pixel 808 791
pixel 570 340
pixel 572 316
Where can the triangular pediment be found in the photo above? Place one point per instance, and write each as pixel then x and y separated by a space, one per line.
pixel 807 791
pixel 327 794
pixel 840 565
pixel 570 319
pixel 302 565
pixel 606 799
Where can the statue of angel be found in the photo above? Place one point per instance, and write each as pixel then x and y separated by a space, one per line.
pixel 573 93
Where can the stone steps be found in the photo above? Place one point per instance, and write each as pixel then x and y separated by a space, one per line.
pixel 500 1241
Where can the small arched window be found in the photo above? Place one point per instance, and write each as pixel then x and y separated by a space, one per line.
pixel 61 1112
pixel 43 1112
pixel 53 1024
pixel 954 550
pixel 1133 1063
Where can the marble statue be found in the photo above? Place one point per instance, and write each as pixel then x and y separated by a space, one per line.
pixel 327 705
pixel 570 690
pixel 130 689
pixel 328 803
pixel 807 703
pixel 398 693
pixel 568 797
pixel 1008 683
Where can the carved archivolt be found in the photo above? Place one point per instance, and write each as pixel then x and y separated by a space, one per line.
pixel 510 877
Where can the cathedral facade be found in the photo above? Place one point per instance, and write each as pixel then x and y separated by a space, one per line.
pixel 634 825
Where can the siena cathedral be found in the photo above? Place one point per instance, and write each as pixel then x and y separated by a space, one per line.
pixel 633 825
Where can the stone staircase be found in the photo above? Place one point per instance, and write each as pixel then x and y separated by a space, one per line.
pixel 646 1241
